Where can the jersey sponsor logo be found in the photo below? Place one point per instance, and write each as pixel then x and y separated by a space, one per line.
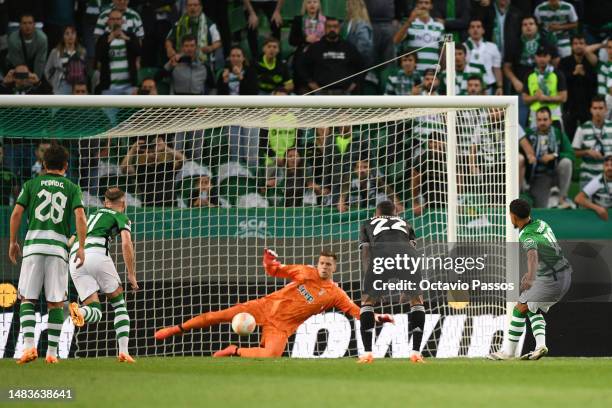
pixel 52 183
pixel 304 292
pixel 529 243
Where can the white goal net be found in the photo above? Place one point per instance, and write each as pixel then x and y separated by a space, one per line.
pixel 211 181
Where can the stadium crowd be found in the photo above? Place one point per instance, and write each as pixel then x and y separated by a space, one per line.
pixel 554 54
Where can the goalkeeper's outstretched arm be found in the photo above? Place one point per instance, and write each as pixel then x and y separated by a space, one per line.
pixel 274 268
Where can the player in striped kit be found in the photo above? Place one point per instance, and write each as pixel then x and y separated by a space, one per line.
pixel 49 201
pixel 99 272
pixel 421 31
pixel 593 141
pixel 597 194
pixel 547 280
pixel 558 18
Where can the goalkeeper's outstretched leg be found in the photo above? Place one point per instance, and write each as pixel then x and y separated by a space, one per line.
pixel 273 340
pixel 210 319
pixel 273 343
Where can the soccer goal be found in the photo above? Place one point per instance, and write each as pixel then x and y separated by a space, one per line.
pixel 211 181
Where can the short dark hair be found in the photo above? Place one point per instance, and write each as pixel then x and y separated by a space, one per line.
pixel 271 39
pixel 476 18
pixel 545 109
pixel 578 36
pixel 475 77
pixel 329 254
pixel 461 47
pixel 429 71
pixel 188 37
pixel 386 208
pixel 598 98
pixel 530 17
pixel 114 194
pixel 55 157
pixel 520 208
pixel 410 53
pixel 26 14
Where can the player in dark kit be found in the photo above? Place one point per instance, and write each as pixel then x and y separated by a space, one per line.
pixel 385 238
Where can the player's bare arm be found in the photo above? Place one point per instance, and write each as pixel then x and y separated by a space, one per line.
pixel 14 249
pixel 532 267
pixel 81 229
pixel 128 257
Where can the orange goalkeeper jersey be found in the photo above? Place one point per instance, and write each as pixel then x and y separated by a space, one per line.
pixel 305 296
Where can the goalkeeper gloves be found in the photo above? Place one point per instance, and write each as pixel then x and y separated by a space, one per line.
pixel 270 258
pixel 384 318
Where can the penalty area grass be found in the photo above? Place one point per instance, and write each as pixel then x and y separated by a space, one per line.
pixel 292 383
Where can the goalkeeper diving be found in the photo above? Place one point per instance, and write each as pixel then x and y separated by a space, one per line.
pixel 311 291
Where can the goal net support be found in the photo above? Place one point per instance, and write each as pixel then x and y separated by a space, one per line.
pixel 211 181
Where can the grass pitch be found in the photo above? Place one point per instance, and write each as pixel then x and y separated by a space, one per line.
pixel 290 383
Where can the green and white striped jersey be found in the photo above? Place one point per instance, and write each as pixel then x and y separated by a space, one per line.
pixel 401 83
pixel 132 23
pixel 539 236
pixel 102 227
pixel 604 77
pixel 118 62
pixel 589 136
pixel 93 7
pixel 428 35
pixel 599 191
pixel 547 15
pixel 49 201
pixel 461 79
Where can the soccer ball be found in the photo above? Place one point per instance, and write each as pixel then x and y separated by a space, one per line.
pixel 243 324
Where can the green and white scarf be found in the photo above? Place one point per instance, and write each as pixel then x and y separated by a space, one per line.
pixel 528 49
pixel 183 27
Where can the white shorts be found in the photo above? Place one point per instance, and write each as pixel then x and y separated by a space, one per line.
pixel 37 270
pixel 98 273
pixel 545 292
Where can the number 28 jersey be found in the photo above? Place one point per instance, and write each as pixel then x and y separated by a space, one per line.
pixel 49 202
pixel 382 231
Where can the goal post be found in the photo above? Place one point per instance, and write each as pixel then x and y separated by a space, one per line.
pixel 212 180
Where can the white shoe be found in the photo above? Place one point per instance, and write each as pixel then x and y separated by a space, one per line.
pixel 535 354
pixel 499 356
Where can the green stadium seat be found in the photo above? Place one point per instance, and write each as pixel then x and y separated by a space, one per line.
pixel 237 19
pixel 291 8
pixel 287 49
pixel 334 8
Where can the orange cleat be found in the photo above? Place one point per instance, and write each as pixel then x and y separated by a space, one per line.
pixel 28 356
pixel 417 358
pixel 366 358
pixel 166 332
pixel 51 360
pixel 229 351
pixel 125 358
pixel 76 315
